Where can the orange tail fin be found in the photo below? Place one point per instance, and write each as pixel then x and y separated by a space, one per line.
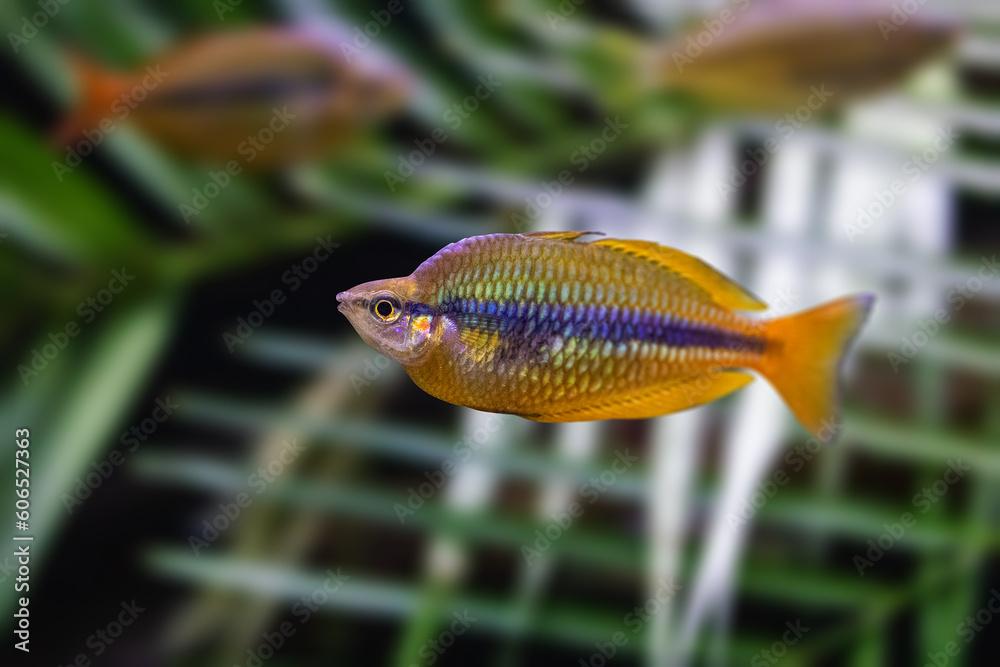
pixel 805 367
pixel 98 89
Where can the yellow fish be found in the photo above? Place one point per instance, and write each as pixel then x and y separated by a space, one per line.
pixel 555 328
pixel 266 97
pixel 774 56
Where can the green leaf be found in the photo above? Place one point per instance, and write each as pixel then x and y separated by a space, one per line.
pixel 84 419
pixel 62 207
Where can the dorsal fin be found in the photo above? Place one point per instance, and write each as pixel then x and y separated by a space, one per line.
pixel 561 236
pixel 721 289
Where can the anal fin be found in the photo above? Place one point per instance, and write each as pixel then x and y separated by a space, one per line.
pixel 673 396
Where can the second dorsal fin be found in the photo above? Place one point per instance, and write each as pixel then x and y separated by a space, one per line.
pixel 720 288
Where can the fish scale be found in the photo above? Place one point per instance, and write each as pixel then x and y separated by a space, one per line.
pixel 611 322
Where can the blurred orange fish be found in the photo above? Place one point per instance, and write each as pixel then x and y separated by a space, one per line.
pixel 267 97
pixel 774 56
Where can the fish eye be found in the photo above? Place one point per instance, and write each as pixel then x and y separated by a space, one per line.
pixel 385 308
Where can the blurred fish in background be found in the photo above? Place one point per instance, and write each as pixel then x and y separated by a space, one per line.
pixel 230 95
pixel 771 55
pixel 222 475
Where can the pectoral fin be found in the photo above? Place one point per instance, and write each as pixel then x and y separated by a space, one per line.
pixel 719 287
pixel 479 343
pixel 677 395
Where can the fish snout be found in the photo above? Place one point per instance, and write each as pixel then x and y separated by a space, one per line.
pixel 344 300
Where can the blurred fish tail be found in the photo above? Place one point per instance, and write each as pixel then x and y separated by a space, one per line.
pixel 805 364
pixel 98 89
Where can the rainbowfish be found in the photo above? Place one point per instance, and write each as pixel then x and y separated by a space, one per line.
pixel 263 96
pixel 772 55
pixel 554 328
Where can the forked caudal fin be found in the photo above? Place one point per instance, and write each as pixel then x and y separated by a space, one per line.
pixel 97 91
pixel 805 364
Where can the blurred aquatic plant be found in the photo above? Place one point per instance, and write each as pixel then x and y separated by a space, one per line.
pixel 65 231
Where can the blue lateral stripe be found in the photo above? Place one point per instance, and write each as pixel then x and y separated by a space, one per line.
pixel 615 324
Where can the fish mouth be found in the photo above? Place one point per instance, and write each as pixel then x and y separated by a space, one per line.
pixel 342 302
